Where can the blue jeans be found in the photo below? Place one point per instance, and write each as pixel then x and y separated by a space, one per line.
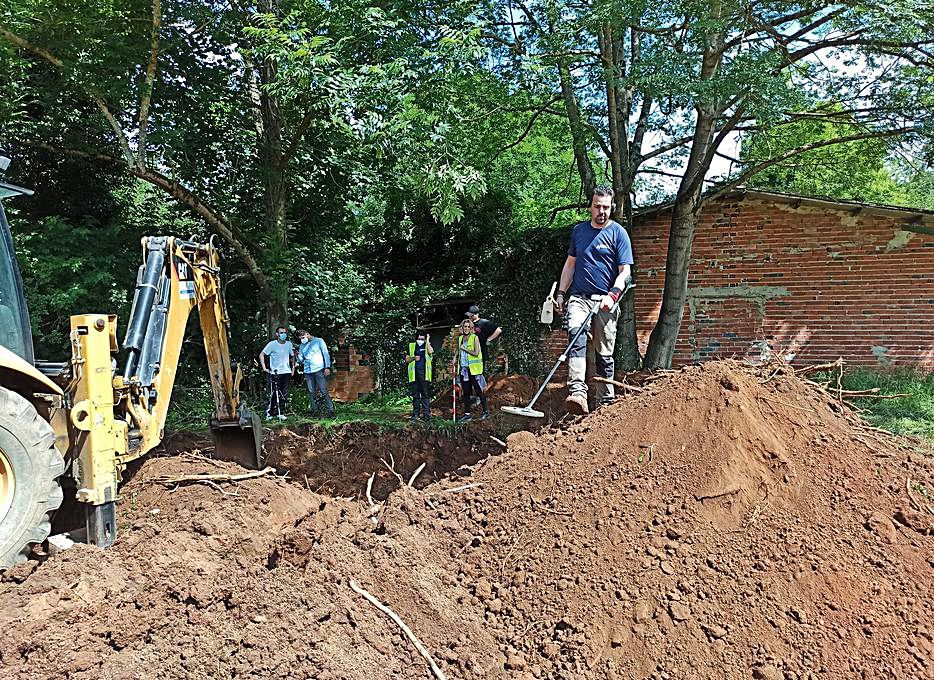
pixel 317 384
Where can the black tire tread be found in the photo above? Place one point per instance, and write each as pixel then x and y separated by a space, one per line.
pixel 36 435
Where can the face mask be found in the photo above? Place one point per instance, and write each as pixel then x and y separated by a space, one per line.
pixel 419 342
pixel 306 340
pixel 283 336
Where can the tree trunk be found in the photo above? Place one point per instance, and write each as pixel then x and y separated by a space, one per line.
pixel 279 259
pixel 661 349
pixel 684 214
pixel 627 341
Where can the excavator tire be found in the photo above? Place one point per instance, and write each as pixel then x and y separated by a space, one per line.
pixel 30 466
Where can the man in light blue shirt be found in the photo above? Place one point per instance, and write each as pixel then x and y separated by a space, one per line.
pixel 316 362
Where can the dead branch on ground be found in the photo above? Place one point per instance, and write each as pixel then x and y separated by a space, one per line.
pixel 499 441
pixel 783 403
pixel 214 479
pixel 617 383
pixel 392 468
pixel 717 494
pixel 538 504
pixel 453 489
pixel 438 673
pixel 415 474
pixel 817 368
pixel 914 502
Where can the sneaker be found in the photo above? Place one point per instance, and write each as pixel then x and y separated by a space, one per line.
pixel 426 419
pixel 464 418
pixel 577 404
pixel 413 419
pixel 281 417
pixel 485 415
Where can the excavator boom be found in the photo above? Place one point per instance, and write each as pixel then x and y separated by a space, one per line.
pixel 121 408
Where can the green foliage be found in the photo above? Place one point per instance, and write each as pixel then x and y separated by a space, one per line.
pixel 855 170
pixel 425 147
pixel 912 415
pixel 522 272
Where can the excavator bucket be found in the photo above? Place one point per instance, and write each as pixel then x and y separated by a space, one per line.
pixel 239 441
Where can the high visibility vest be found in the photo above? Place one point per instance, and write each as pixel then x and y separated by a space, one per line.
pixel 412 364
pixel 474 363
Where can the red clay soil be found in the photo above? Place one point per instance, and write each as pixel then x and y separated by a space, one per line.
pixel 339 462
pixel 727 522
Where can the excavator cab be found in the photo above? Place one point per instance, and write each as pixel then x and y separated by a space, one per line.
pixel 15 332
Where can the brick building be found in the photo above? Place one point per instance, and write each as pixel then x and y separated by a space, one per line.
pixel 813 278
pixel 353 376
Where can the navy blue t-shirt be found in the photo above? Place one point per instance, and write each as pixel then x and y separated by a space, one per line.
pixel 599 253
pixel 420 365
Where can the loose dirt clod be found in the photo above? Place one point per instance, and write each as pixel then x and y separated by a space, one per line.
pixel 763 538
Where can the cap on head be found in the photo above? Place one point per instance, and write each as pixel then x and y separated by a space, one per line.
pixel 473 310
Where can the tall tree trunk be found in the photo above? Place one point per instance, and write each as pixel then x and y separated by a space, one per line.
pixel 661 349
pixel 278 257
pixel 684 214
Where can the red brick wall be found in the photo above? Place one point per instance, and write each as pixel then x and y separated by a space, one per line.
pixel 352 377
pixel 819 281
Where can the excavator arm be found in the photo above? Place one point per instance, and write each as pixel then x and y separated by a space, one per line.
pixel 119 410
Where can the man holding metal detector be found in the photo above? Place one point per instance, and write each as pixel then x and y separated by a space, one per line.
pixel 595 276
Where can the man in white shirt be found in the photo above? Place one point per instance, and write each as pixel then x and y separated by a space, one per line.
pixel 278 360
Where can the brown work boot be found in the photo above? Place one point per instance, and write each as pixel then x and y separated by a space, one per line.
pixel 576 404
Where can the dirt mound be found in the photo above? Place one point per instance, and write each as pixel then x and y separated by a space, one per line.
pixel 725 522
pixel 208 585
pixel 722 524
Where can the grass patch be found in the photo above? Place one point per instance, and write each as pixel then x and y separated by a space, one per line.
pixel 913 415
pixel 192 407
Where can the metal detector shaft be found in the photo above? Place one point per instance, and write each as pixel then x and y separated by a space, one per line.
pixel 564 355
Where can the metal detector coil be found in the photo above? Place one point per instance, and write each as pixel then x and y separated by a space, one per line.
pixel 529 412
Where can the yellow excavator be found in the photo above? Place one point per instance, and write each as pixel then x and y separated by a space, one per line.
pixel 75 425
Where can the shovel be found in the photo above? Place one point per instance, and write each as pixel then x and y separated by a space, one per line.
pixel 528 411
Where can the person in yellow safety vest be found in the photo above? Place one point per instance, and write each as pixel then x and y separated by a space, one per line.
pixel 470 369
pixel 419 361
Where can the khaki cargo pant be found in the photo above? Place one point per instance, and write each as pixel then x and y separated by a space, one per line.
pixel 602 331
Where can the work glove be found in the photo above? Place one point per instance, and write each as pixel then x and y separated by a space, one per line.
pixel 559 304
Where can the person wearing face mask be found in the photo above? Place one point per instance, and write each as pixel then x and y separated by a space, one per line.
pixel 278 359
pixel 418 361
pixel 316 363
pixel 470 369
